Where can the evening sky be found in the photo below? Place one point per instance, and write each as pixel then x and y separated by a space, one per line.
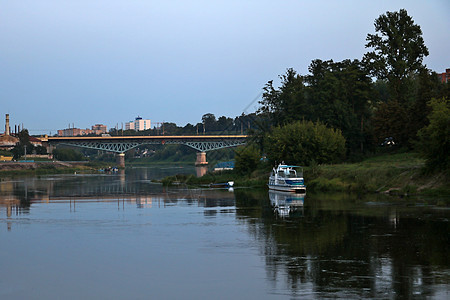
pixel 85 62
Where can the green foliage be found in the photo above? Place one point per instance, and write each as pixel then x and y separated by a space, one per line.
pixel 434 140
pixel 288 103
pixel 390 120
pixel 389 173
pixel 66 154
pixel 5 153
pixel 340 94
pixel 398 50
pixel 335 93
pixel 40 150
pixel 246 160
pixel 24 144
pixel 305 142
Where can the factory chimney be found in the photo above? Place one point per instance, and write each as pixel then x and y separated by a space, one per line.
pixel 7 125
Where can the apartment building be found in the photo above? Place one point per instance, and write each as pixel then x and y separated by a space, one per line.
pixel 138 124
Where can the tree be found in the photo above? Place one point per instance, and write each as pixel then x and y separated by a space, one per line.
pixel 209 122
pixel 426 86
pixel 339 93
pixel 303 142
pixel 247 159
pixel 398 50
pixel 434 139
pixel 24 142
pixel 67 154
pixel 389 120
pixel 286 104
pixel 224 124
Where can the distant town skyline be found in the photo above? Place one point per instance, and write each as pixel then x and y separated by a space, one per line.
pixel 84 62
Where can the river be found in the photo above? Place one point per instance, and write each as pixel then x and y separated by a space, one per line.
pixel 122 236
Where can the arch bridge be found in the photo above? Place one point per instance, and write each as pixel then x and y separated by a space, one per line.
pixel 121 144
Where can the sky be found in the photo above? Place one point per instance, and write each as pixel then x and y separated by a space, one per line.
pixel 85 62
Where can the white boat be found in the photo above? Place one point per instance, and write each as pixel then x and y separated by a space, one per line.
pixel 287 178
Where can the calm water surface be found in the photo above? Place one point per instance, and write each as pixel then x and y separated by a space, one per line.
pixel 123 237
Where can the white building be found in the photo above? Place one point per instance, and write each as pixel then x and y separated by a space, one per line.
pixel 138 124
pixel 129 125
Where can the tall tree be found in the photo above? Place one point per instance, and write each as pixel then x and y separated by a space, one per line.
pixel 398 50
pixel 339 94
pixel 287 103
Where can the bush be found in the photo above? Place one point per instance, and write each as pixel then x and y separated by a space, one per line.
pixel 305 142
pixel 246 160
pixel 65 154
pixel 434 139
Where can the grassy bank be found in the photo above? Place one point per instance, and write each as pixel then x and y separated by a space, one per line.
pixel 258 179
pixel 400 174
pixel 38 168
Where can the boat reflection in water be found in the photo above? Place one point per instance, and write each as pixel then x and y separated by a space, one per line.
pixel 284 203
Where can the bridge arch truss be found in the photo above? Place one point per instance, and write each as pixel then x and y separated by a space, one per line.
pixel 123 144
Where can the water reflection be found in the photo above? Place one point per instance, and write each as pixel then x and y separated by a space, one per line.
pixel 350 247
pixel 285 203
pixel 312 246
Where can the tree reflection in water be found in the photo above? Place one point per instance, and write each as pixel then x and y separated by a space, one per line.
pixel 373 246
pixel 325 246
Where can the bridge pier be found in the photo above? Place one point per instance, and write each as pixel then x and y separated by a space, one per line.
pixel 201 165
pixel 121 160
pixel 201 159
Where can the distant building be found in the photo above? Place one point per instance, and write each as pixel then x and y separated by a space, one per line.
pixel 99 129
pixel 7 141
pixel 223 166
pixel 138 124
pixel 35 141
pixel 444 77
pixel 129 125
pixel 74 132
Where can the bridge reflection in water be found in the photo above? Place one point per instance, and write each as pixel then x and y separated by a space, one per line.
pixel 17 196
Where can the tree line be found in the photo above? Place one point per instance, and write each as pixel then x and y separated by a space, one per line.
pixel 387 98
pixel 210 125
pixel 345 109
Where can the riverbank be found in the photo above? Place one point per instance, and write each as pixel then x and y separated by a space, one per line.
pixel 398 174
pixel 8 169
pixel 395 174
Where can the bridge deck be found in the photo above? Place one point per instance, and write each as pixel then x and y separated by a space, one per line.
pixel 141 137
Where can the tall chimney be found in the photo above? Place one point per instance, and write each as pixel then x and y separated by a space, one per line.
pixel 7 125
